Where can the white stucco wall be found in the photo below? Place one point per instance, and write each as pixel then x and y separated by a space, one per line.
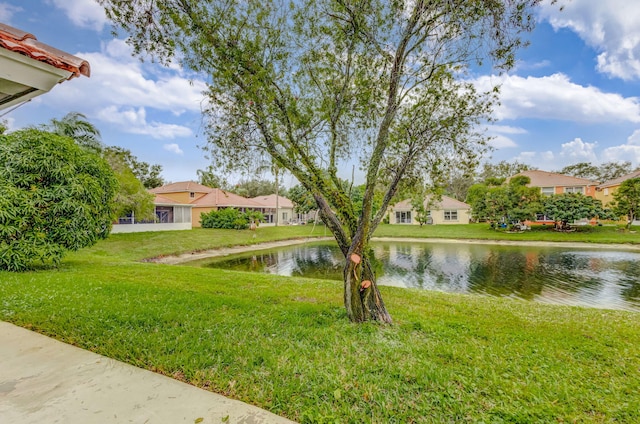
pixel 140 228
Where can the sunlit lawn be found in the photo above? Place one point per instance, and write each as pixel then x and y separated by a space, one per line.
pixel 285 344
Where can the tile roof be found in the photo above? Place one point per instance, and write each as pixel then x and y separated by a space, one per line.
pixel 161 200
pixel 270 201
pixel 445 203
pixel 218 197
pixel 620 180
pixel 26 44
pixel 551 179
pixel 182 186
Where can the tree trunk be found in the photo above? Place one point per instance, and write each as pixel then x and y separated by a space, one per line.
pixel 362 298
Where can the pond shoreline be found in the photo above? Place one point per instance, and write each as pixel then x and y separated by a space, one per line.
pixel 231 250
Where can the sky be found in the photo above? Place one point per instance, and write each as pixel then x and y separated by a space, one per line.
pixel 573 96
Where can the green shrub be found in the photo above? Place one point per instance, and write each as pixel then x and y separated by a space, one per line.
pixel 54 197
pixel 229 219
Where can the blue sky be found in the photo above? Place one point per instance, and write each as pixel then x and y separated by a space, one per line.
pixel 574 95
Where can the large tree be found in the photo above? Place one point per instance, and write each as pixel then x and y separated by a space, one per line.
pixel 497 173
pixel 510 202
pixel 569 207
pixel 55 197
pixel 134 177
pixel 603 172
pixel 149 175
pixel 627 200
pixel 256 187
pixel 316 83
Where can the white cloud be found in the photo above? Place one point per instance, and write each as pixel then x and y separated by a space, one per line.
pixel 624 152
pixel 527 66
pixel 7 11
pixel 579 151
pixel 134 121
pixel 611 27
pixel 121 90
pixel 499 139
pixel 120 79
pixel 83 13
pixel 634 139
pixel 556 97
pixel 9 123
pixel 174 148
pixel 542 160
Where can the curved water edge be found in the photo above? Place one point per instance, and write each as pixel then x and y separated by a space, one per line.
pixel 561 273
pixel 231 250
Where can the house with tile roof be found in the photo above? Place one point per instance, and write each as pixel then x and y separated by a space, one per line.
pixel 551 183
pixel 203 199
pixel 278 209
pixel 29 68
pixel 606 190
pixel 447 210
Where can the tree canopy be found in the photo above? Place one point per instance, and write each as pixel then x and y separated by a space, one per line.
pixel 603 172
pixel 509 202
pixel 569 207
pixel 56 197
pixel 313 84
pixel 256 187
pixel 627 200
pixel 133 177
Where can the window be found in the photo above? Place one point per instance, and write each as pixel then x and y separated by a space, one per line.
pixel 403 217
pixel 450 215
pixel 285 216
pixel 547 191
pixel 192 195
pixel 574 190
pixel 606 191
pixel 542 217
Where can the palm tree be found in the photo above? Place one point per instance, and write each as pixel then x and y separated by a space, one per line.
pixel 76 126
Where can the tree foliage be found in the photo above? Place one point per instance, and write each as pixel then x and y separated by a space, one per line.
pixel 149 175
pixel 497 173
pixel 315 83
pixel 56 197
pixel 132 197
pixel 569 207
pixel 509 202
pixel 303 201
pixel 210 178
pixel 134 177
pixel 604 172
pixel 76 126
pixel 256 187
pixel 627 200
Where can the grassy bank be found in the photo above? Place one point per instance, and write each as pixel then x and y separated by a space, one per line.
pixel 285 344
pixel 586 234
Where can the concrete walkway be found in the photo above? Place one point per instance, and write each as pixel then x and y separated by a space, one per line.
pixel 45 381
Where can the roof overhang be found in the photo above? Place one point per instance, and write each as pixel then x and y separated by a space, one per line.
pixel 29 68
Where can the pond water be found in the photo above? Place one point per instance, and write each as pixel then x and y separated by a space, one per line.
pixel 585 277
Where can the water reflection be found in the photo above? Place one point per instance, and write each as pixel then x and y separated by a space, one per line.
pixel 606 279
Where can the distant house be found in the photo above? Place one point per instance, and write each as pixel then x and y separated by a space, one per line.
pixel 29 68
pixel 285 213
pixel 605 191
pixel 445 211
pixel 218 199
pixel 203 199
pixel 551 183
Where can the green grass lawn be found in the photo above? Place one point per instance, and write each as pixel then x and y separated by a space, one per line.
pixel 285 344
